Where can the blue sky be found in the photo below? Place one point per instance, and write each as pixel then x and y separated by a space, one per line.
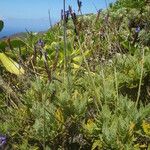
pixel 37 9
pixel 19 15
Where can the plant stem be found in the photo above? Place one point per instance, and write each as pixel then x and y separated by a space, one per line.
pixel 50 21
pixel 65 47
pixel 97 101
pixel 44 122
pixel 116 86
pixel 141 77
pixel 103 83
pixel 64 35
pixel 106 4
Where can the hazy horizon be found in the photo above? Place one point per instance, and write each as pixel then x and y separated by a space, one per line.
pixel 13 26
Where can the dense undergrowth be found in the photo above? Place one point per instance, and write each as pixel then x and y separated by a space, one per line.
pixel 93 96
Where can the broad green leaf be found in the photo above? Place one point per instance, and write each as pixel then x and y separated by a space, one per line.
pixel 90 126
pixel 78 59
pixel 146 127
pixel 97 145
pixel 3 46
pixel 59 116
pixel 16 43
pixel 1 25
pixel 11 65
pixel 75 66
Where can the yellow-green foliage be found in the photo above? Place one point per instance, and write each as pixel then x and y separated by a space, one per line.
pixel 97 97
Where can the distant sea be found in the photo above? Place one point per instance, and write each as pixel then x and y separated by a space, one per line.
pixel 13 26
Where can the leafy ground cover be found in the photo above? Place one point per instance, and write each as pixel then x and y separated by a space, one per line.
pixel 85 84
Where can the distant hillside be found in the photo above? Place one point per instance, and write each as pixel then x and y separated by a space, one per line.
pixel 20 35
pixel 14 26
pixel 14 35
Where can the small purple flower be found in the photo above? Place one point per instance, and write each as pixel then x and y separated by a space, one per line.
pixel 62 15
pixel 2 140
pixel 106 18
pixel 40 43
pixel 67 13
pixel 137 29
pixel 79 5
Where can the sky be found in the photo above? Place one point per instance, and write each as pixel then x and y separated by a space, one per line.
pixel 21 14
pixel 35 9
